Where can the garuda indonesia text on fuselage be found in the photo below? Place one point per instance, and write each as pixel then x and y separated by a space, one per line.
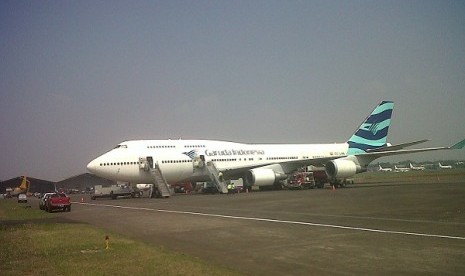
pixel 257 164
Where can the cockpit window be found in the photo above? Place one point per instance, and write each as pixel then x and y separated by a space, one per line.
pixel 121 147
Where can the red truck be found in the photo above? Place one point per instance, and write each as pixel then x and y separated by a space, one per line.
pixel 58 201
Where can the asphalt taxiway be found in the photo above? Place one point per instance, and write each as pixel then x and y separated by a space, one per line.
pixel 364 229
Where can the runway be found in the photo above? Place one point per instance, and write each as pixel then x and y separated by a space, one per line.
pixel 376 229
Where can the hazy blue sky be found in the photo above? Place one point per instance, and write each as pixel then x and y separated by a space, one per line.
pixel 78 77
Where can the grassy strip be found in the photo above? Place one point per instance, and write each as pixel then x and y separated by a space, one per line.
pixel 444 175
pixel 10 209
pixel 80 249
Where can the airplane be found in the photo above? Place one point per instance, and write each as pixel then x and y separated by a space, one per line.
pixel 444 167
pixel 416 168
pixel 401 169
pixel 23 187
pixel 381 169
pixel 257 164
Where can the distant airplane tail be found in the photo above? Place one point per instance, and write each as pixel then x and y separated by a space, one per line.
pixel 372 133
pixel 23 185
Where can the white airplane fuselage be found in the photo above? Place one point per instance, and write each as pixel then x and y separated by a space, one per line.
pixel 172 157
pixel 416 168
pixel 401 169
pixel 445 166
pixel 381 169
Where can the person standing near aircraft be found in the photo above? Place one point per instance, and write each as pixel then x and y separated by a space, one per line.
pixel 231 188
pixel 220 176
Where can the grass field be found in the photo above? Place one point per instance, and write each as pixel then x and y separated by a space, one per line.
pixel 31 245
pixel 427 176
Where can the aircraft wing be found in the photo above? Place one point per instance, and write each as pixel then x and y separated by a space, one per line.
pixel 287 166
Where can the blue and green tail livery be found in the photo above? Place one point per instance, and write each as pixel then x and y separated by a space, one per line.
pixel 372 133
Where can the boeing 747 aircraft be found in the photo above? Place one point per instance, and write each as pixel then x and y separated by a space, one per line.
pixel 173 161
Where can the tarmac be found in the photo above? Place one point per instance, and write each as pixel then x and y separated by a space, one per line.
pixel 378 229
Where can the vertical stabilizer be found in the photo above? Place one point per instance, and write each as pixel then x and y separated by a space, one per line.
pixel 372 133
pixel 23 186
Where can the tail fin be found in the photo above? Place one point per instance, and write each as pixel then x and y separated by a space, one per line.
pixel 372 133
pixel 23 185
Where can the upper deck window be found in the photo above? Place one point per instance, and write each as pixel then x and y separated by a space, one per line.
pixel 161 147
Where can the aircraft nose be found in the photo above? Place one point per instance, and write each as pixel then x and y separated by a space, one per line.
pixel 92 166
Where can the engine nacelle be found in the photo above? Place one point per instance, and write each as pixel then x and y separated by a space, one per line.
pixel 263 177
pixel 340 168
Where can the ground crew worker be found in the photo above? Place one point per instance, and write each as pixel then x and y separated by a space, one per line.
pixel 220 176
pixel 230 188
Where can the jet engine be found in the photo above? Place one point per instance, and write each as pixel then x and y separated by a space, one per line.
pixel 263 177
pixel 341 168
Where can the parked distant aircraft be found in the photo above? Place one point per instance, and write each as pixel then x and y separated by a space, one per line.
pixel 381 169
pixel 22 189
pixel 416 168
pixel 174 161
pixel 401 169
pixel 444 167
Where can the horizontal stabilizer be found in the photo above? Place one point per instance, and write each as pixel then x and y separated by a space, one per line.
pixel 398 147
pixel 388 151
pixel 459 145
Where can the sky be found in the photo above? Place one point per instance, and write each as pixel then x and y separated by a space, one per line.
pixel 79 77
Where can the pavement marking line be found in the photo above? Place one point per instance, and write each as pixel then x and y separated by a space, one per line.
pixel 281 221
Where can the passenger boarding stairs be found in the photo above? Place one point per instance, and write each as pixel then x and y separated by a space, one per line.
pixel 214 175
pixel 159 182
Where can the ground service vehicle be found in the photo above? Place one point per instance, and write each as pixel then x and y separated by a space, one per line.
pixel 301 180
pixel 320 178
pixel 114 191
pixel 58 201
pixel 43 200
pixel 22 198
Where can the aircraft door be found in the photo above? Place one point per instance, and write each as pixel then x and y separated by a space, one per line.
pixel 198 162
pixel 150 161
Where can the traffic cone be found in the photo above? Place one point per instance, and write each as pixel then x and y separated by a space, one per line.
pixel 82 199
pixel 334 188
